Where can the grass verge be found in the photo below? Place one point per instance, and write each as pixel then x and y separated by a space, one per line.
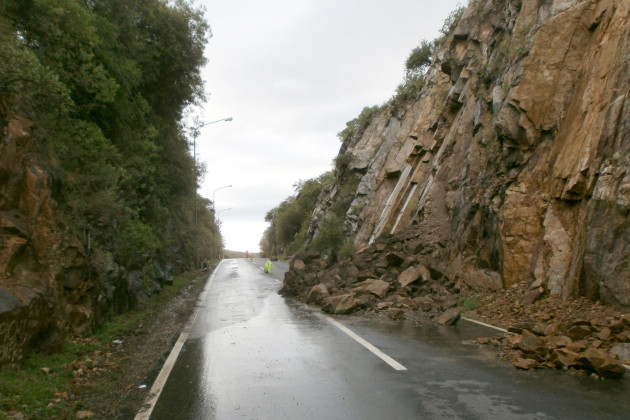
pixel 52 386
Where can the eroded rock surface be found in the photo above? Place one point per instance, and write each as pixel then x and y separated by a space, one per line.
pixel 514 161
pixel 511 170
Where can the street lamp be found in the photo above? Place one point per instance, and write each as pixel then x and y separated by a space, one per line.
pixel 214 215
pixel 195 132
pixel 213 192
pixel 219 213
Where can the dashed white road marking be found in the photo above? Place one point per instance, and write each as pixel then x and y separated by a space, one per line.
pixel 387 359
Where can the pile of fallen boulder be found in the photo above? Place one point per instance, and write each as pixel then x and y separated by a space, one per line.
pixel 373 280
pixel 386 279
pixel 600 345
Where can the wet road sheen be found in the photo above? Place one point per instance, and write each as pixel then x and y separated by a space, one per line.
pixel 251 354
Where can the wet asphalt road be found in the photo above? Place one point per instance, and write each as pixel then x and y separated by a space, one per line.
pixel 251 354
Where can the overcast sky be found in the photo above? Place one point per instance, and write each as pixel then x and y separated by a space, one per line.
pixel 291 73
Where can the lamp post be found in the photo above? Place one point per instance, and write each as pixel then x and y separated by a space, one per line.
pixel 214 215
pixel 195 132
pixel 219 214
pixel 218 224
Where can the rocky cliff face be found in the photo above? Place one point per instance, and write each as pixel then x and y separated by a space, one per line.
pixel 48 282
pixel 513 165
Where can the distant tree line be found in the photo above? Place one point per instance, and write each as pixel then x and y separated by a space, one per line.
pixel 107 83
pixel 289 221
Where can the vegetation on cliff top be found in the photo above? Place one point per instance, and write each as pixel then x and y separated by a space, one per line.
pixel 106 84
pixel 290 220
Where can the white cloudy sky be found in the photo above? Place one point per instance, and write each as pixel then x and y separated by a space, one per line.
pixel 291 73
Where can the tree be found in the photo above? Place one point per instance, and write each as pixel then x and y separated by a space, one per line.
pixel 419 59
pixel 107 82
pixel 289 221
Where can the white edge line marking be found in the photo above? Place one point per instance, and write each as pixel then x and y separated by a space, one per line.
pixel 485 325
pixel 367 345
pixel 145 412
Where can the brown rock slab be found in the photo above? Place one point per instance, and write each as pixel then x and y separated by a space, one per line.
pixel 317 294
pixel 376 287
pixel 578 332
pixel 450 317
pixel 558 341
pixel 564 358
pixel 298 265
pixel 519 327
pixel 396 314
pixel 532 296
pixel 425 303
pixel 525 364
pixel 602 363
pixel 366 301
pixel 623 336
pixel 394 258
pixel 530 342
pixel 413 274
pixel 340 304
pixel 604 334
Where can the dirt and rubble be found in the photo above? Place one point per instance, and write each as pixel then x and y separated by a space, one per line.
pixel 578 334
pixel 387 279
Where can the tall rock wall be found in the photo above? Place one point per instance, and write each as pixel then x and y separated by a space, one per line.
pixel 49 284
pixel 514 162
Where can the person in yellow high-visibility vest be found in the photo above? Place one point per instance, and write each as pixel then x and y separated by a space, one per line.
pixel 268 266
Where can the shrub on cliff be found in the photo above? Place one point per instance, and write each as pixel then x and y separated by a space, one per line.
pixel 357 125
pixel 419 59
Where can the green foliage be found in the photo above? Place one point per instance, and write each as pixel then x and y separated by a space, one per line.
pixel 138 243
pixel 358 125
pixel 105 83
pixel 342 162
pixel 289 221
pixel 27 86
pixel 408 91
pixel 452 20
pixel 419 59
pixel 345 253
pixel 470 303
pixel 332 236
pixel 29 390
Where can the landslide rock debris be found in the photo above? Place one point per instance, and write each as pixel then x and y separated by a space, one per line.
pixel 512 163
pixel 506 179
pixel 387 276
pixel 576 335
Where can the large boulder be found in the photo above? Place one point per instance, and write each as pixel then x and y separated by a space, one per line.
pixel 450 317
pixel 413 274
pixel 564 358
pixel 317 294
pixel 339 304
pixel 602 363
pixel 376 287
